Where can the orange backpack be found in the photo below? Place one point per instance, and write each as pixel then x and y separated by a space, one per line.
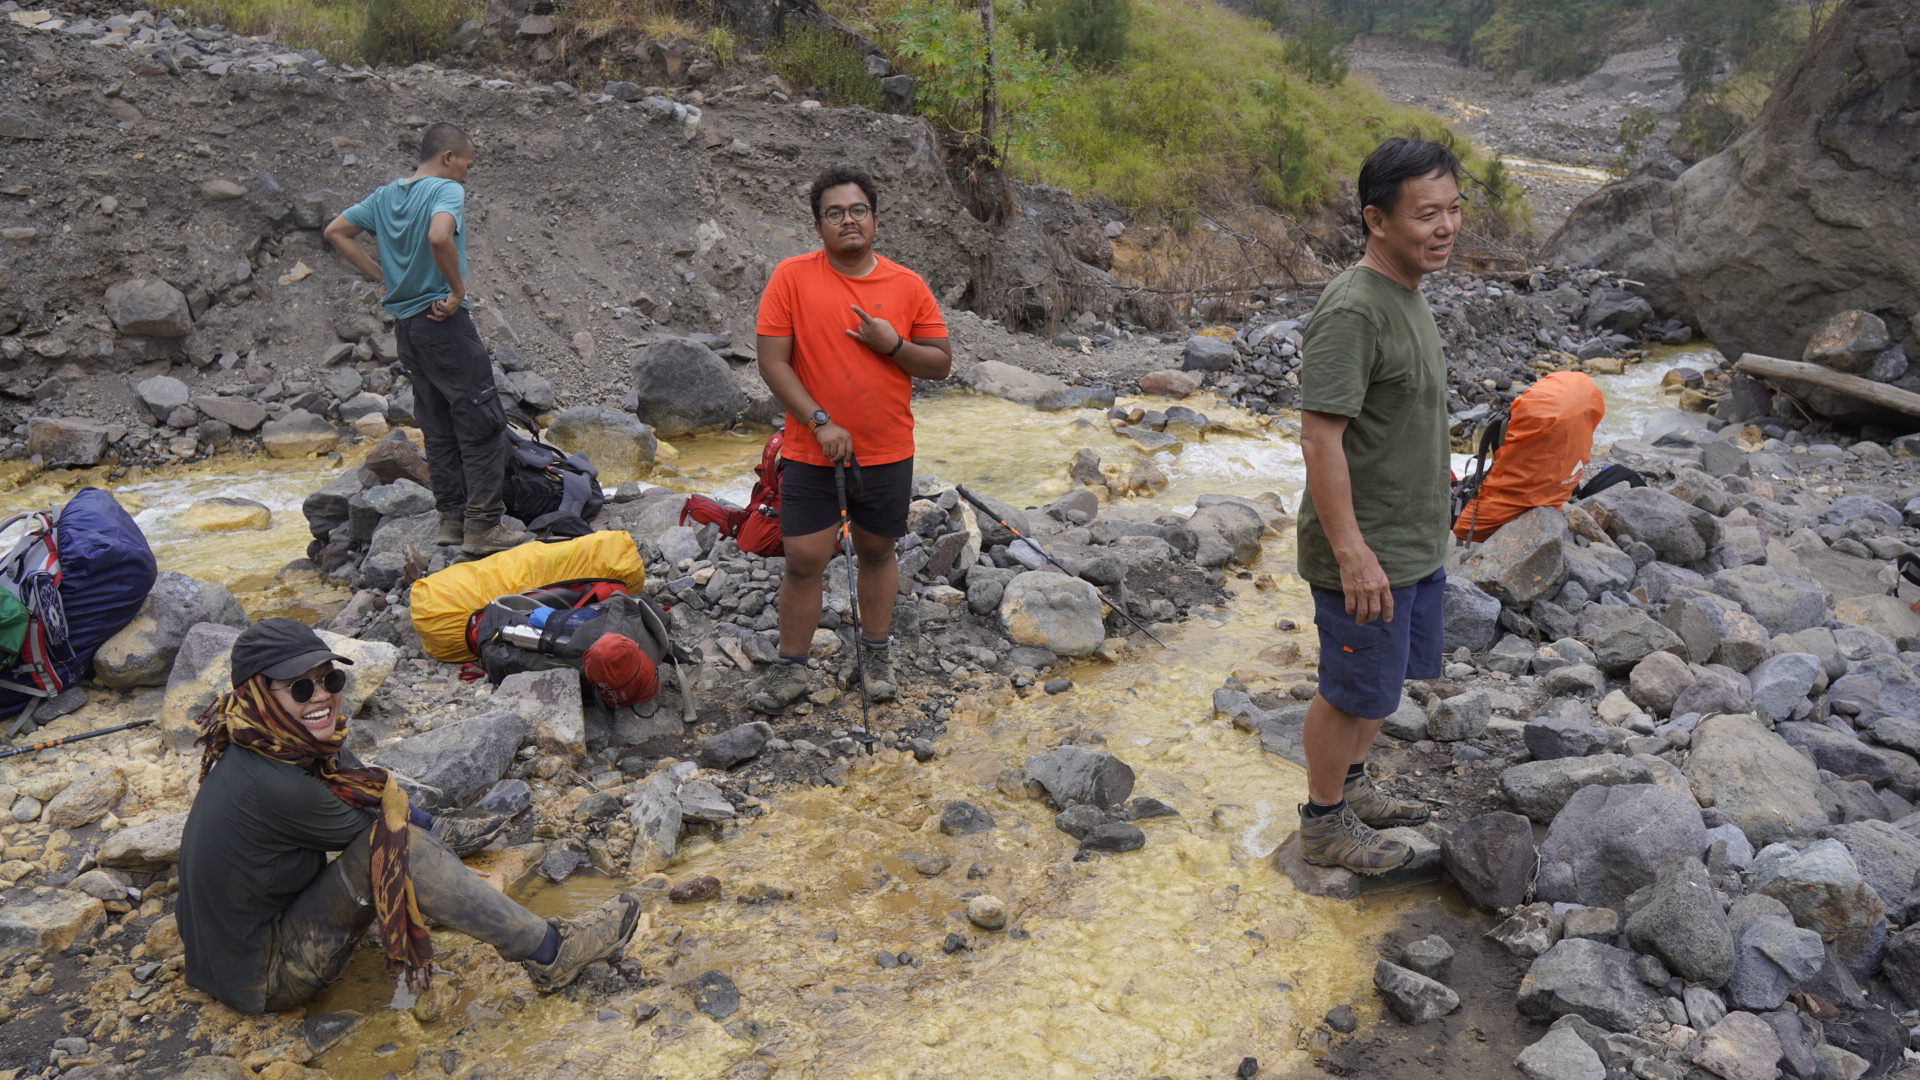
pixel 1539 459
pixel 757 528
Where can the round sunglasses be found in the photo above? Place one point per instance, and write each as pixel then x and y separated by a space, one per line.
pixel 301 690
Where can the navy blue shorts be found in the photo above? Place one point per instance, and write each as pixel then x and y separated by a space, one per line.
pixel 1362 667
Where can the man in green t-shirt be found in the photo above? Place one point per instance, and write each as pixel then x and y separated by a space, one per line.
pixel 1373 525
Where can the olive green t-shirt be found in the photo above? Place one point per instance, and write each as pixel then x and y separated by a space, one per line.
pixel 1372 352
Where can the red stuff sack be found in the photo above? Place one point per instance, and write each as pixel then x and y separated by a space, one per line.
pixel 757 528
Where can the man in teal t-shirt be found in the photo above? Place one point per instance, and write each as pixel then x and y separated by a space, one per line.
pixel 419 228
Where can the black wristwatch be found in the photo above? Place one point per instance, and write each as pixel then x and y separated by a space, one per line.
pixel 820 419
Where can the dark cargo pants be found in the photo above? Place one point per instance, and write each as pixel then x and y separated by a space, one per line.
pixel 315 936
pixel 460 414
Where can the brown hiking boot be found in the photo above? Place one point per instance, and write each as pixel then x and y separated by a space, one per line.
pixel 452 532
pixel 600 934
pixel 876 671
pixel 1380 810
pixel 1342 839
pixel 494 540
pixel 781 685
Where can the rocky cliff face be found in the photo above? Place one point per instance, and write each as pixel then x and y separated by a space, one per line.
pixel 1810 212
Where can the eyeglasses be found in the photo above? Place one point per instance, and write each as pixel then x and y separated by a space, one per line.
pixel 834 215
pixel 301 690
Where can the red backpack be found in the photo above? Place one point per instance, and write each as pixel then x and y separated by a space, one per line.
pixel 757 528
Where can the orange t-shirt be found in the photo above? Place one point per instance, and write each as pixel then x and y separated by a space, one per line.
pixel 1549 439
pixel 866 393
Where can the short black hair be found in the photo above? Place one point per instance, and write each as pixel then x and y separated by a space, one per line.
pixel 440 138
pixel 1386 171
pixel 835 177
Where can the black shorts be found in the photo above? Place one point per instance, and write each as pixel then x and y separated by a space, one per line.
pixel 877 498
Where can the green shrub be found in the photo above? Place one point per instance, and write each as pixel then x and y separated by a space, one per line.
pixel 404 31
pixel 1093 33
pixel 810 57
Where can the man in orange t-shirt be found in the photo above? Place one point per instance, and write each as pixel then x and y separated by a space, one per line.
pixel 842 335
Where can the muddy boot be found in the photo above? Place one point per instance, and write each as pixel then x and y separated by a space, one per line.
pixel 452 532
pixel 497 539
pixel 1342 839
pixel 600 934
pixel 1380 810
pixel 469 830
pixel 781 685
pixel 876 670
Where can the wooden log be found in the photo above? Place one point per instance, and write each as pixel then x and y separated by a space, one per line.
pixel 1887 397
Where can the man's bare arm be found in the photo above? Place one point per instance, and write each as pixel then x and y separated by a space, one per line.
pixel 922 358
pixel 1369 593
pixel 342 234
pixel 776 368
pixel 446 255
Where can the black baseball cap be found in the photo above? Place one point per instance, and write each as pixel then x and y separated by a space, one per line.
pixel 279 649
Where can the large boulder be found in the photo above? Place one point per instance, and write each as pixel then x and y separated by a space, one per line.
pixel 149 848
pixel 298 434
pixel 1540 789
pixel 1080 774
pixel 1524 561
pixel 455 763
pixel 1823 888
pixel 1887 857
pixel 1053 612
pixel 142 653
pixel 1204 353
pixel 618 445
pixel 1781 683
pixel 149 307
pixel 1680 920
pixel 1628 228
pixel 1678 532
pixel 1622 637
pixel 49 923
pixel 1755 779
pixel 1781 602
pixel 1611 841
pixel 681 386
pixel 1657 680
pixel 86 800
pixel 1491 858
pixel 1842 755
pixel 551 704
pixel 996 378
pixel 1878 687
pixel 1596 982
pixel 66 440
pixel 1771 956
pixel 1469 617
pixel 1228 532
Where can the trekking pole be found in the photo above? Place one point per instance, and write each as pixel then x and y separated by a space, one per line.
pixel 853 605
pixel 51 743
pixel 1018 535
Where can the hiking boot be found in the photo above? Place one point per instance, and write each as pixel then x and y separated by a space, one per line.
pixel 469 830
pixel 876 670
pixel 781 685
pixel 1380 810
pixel 452 532
pixel 497 539
pixel 600 934
pixel 1342 839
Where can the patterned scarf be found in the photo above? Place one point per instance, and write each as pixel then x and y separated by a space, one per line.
pixel 249 716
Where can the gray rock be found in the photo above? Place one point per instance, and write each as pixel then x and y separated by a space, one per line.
pixel 1532 930
pixel 701 801
pixel 150 848
pixel 1657 680
pixel 1877 687
pixel 1207 354
pixel 550 702
pixel 734 745
pixel 964 819
pixel 1620 642
pixel 1079 774
pixel 1781 683
pixel 655 814
pixel 1539 789
pixel 298 434
pixel 1575 680
pixel 142 653
pixel 991 531
pixel 1782 603
pixel 1470 618
pixel 149 307
pixel 455 763
pixel 1681 921
pixel 1771 957
pixel 682 386
pixel 1002 380
pixel 1611 841
pixel 1114 836
pixel 714 994
pixel 1430 956
pixel 1462 716
pixel 1842 755
pixel 1078 820
pixel 679 543
pixel 1678 532
pixel 1755 779
pixel 1886 856
pixel 1054 612
pixel 161 394
pixel 1901 964
pixel 1740 1047
pixel 402 498
pixel 1228 533
pixel 1491 858
pixel 1823 889
pixel 1413 997
pixel 1561 1055
pixel 395 535
pixel 1585 978
pixel 238 413
pixel 1550 737
pixel 66 441
pixel 618 445
pixel 1524 561
pixel 1718 691
pixel 1408 722
pixel 1850 508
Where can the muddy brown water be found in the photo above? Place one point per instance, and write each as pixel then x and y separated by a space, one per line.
pixel 1178 960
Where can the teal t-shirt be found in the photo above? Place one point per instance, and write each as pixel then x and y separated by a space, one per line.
pixel 398 216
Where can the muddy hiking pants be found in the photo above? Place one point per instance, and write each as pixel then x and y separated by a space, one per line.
pixel 316 935
pixel 460 413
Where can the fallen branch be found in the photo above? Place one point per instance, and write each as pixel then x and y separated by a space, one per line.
pixel 1867 390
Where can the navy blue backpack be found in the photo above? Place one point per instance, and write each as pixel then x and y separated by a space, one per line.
pixel 82 572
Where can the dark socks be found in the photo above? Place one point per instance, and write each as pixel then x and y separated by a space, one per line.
pixel 801 659
pixel 1315 810
pixel 1356 770
pixel 873 644
pixel 549 949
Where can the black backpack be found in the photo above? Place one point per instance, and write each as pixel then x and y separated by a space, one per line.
pixel 557 494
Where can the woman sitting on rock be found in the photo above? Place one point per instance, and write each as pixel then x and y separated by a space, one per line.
pixel 266 919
